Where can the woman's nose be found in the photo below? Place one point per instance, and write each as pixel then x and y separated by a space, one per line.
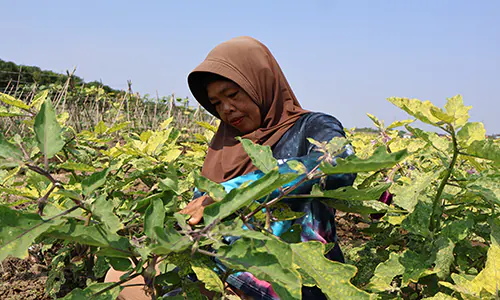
pixel 227 107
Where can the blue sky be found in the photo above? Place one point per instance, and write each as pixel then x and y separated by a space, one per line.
pixel 340 57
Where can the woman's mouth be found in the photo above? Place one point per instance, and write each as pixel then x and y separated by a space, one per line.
pixel 237 121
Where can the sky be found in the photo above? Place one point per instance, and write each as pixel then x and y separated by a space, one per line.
pixel 344 58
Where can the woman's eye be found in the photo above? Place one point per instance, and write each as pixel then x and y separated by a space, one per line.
pixel 232 95
pixel 215 103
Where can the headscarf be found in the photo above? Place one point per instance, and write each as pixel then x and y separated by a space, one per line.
pixel 250 64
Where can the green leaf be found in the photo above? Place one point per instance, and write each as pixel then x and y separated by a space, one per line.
pixel 102 209
pixel 444 257
pixel 396 124
pixel 207 276
pixel 495 230
pixel 10 151
pixel 215 191
pixel 154 217
pixel 262 156
pixel 487 149
pixel 455 107
pixel 18 230
pixel 268 260
pixel 487 280
pixel 94 181
pixel 119 263
pixel 407 195
pixel 171 181
pixel 376 121
pixel 353 164
pixel 333 278
pixel 169 240
pixel 39 99
pixel 293 234
pixel 240 197
pixel 100 128
pixel 207 126
pixel 470 133
pixel 350 193
pixel 439 143
pixel 417 222
pixel 415 266
pixel 360 207
pixel 457 230
pixel 88 293
pixel 48 130
pixel 440 296
pixel 118 127
pixel 489 277
pixel 74 166
pixel 93 236
pixel 7 99
pixel 385 273
pixel 283 212
pixel 418 109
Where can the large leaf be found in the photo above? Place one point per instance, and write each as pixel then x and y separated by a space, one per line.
pixel 418 109
pixel 241 197
pixel 470 133
pixel 416 266
pixel 48 131
pixel 102 209
pixel 406 195
pixel 267 260
pixel 169 240
pixel 350 193
pixel 94 236
pixel 18 230
pixel 489 277
pixel 207 276
pixel 333 278
pixel 7 99
pixel 154 217
pixel 385 273
pixel 214 190
pixel 440 143
pixel 88 293
pixel 455 107
pixel 444 257
pixel 74 166
pixel 487 149
pixel 487 280
pixel 353 164
pixel 9 151
pixel 94 181
pixel 262 156
pixel 417 222
pixel 360 207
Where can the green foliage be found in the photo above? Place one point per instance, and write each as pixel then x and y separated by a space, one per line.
pixel 110 194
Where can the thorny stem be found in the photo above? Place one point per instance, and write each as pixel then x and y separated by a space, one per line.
pixel 42 201
pixel 437 205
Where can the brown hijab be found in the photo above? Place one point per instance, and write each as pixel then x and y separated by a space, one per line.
pixel 251 65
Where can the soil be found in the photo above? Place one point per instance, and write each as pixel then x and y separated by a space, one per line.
pixel 22 279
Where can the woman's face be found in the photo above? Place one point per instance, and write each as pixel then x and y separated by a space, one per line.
pixel 234 105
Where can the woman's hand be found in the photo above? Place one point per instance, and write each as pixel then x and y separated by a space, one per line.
pixel 196 207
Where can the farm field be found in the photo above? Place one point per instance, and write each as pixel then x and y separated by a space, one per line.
pixel 92 179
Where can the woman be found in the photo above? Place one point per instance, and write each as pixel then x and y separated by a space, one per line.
pixel 241 83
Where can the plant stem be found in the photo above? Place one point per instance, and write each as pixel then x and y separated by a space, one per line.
pixel 437 206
